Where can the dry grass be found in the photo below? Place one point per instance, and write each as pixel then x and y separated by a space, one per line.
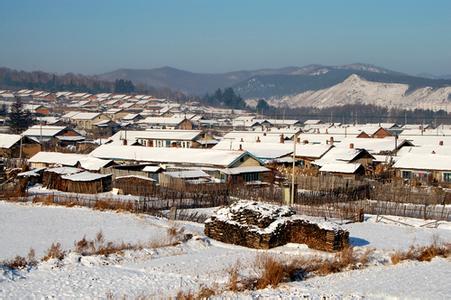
pixel 99 246
pixel 206 292
pixel 181 295
pixel 424 253
pixel 233 272
pixel 118 206
pixel 55 252
pixel 273 272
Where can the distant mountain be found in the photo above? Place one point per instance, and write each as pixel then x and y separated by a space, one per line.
pixel 267 83
pixel 432 76
pixel 325 77
pixel 357 90
pixel 195 83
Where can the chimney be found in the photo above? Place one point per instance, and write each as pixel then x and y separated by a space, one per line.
pixel 327 131
pixel 440 143
pixel 351 146
pixel 298 140
pixel 242 140
pixel 282 139
pixel 264 133
pixel 433 152
pixel 124 142
pixel 258 139
pixel 331 140
pixel 305 141
pixel 241 147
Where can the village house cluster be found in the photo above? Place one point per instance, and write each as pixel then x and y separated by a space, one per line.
pixel 86 143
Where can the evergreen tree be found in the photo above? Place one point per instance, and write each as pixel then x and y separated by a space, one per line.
pixel 19 118
pixel 123 86
pixel 262 106
pixel 3 110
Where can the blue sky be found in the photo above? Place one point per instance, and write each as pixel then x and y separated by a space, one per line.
pixel 94 36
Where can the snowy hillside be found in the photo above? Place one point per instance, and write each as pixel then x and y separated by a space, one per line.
pixel 357 90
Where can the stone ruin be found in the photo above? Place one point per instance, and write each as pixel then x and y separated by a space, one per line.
pixel 263 226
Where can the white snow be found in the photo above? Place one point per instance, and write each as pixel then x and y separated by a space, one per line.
pixel 357 90
pixel 162 272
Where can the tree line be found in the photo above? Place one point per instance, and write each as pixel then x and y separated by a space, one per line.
pixel 355 113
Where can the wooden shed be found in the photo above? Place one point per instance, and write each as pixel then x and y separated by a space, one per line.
pixel 87 183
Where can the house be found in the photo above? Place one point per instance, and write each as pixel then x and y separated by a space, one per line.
pixel 141 169
pixel 374 133
pixel 351 156
pixel 74 180
pixel 50 159
pixel 167 123
pixel 249 174
pixel 132 117
pixel 208 160
pixel 116 114
pixel 266 152
pixel 85 120
pixel 162 138
pixel 277 123
pixel 306 154
pixel 104 128
pixel 53 135
pixel 344 170
pixel 14 146
pixel 427 168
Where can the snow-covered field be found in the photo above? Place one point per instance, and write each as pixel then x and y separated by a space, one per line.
pixel 162 272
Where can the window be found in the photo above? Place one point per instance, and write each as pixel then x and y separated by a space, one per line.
pixel 406 174
pixel 250 177
pixel 447 177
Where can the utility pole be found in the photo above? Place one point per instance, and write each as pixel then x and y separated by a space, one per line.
pixel 295 138
pixel 20 150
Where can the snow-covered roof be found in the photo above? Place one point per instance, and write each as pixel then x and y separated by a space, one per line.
pixel 155 134
pixel 243 170
pixel 70 114
pixel 338 155
pixel 312 122
pixel 8 140
pixel 85 176
pixel 348 168
pixel 426 149
pixel 260 150
pixel 151 169
pixel 372 145
pixel 311 150
pixel 85 116
pixel 43 130
pixel 70 138
pixel 64 170
pixel 207 157
pixel 130 117
pixel 187 174
pixel 135 176
pixel 69 159
pixel 31 173
pixel 424 162
pixel 162 121
pixel 252 136
pixel 276 121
